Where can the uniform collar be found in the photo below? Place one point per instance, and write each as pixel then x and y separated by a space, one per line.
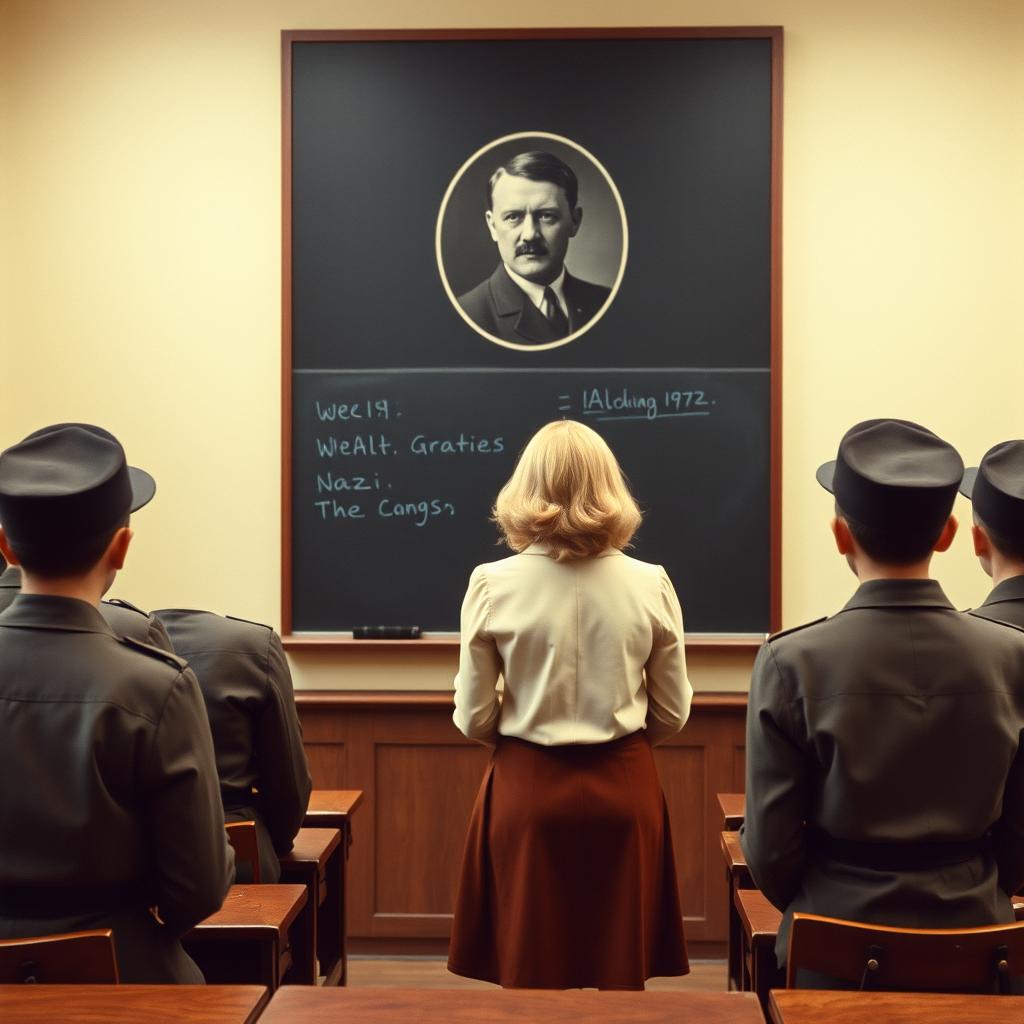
pixel 898 594
pixel 1011 589
pixel 65 614
pixel 10 579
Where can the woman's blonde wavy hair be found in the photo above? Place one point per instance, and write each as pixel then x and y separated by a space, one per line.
pixel 568 492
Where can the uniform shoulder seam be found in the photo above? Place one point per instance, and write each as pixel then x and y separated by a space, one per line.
pixel 158 653
pixel 795 629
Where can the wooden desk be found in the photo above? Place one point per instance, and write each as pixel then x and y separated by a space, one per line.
pixel 316 861
pixel 154 1004
pixel 759 928
pixel 802 1006
pixel 253 938
pixel 737 876
pixel 732 806
pixel 332 808
pixel 297 1005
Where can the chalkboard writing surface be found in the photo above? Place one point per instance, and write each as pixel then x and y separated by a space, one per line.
pixel 402 421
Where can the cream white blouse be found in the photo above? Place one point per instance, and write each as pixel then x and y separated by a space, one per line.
pixel 589 650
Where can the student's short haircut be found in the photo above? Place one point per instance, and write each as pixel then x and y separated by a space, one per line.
pixel 1006 546
pixel 892 547
pixel 538 166
pixel 65 559
pixel 568 493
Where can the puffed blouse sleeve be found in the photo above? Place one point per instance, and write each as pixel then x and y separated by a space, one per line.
pixel 668 688
pixel 477 708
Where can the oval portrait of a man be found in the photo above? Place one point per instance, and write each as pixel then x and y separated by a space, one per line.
pixel 531 241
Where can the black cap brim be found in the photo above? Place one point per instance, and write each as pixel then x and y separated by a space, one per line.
pixel 143 488
pixel 967 483
pixel 825 475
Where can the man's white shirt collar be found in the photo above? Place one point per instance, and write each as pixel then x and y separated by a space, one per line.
pixel 535 292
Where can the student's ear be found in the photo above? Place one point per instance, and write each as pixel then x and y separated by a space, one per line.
pixel 982 545
pixel 117 549
pixel 844 539
pixel 947 535
pixel 5 549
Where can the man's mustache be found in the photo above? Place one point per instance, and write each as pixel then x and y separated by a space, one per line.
pixel 531 249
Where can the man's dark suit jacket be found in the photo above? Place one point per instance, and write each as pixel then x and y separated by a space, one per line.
pixel 897 721
pixel 500 307
pixel 109 801
pixel 1005 603
pixel 257 738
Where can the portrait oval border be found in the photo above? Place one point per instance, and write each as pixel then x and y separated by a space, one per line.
pixel 457 177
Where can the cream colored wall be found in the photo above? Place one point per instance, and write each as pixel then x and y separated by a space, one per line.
pixel 140 258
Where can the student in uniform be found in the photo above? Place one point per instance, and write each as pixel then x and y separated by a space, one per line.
pixel 885 775
pixel 996 488
pixel 122 617
pixel 257 738
pixel 110 805
pixel 568 878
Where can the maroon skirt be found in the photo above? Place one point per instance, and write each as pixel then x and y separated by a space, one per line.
pixel 568 878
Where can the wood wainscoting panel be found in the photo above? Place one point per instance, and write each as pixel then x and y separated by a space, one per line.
pixel 683 773
pixel 739 768
pixel 420 776
pixel 327 762
pixel 425 794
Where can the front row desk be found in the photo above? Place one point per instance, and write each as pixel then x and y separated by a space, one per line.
pixel 237 1004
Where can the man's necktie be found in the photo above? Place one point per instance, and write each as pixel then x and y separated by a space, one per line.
pixel 553 311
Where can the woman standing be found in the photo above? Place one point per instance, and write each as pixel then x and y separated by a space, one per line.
pixel 568 879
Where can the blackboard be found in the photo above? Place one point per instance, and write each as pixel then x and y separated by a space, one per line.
pixel 401 420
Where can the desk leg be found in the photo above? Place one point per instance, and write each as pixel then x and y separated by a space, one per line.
pixel 765 973
pixel 734 978
pixel 331 931
pixel 302 941
pixel 343 885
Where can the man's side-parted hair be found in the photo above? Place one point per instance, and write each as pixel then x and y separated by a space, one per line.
pixel 892 547
pixel 538 166
pixel 567 491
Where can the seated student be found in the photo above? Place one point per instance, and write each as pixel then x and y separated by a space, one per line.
pixel 257 738
pixel 110 807
pixel 885 775
pixel 996 488
pixel 122 617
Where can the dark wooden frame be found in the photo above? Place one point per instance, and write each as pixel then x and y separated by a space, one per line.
pixel 775 35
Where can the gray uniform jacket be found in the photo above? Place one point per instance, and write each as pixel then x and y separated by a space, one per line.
pixel 247 687
pixel 109 803
pixel 123 618
pixel 896 721
pixel 1005 603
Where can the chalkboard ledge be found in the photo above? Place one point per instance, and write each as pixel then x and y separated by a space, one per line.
pixel 734 642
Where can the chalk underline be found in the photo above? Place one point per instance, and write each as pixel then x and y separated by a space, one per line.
pixel 659 416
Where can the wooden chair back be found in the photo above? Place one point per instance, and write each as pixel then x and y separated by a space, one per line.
pixel 907 959
pixel 242 837
pixel 71 958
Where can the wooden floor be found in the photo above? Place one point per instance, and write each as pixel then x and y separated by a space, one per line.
pixel 426 972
